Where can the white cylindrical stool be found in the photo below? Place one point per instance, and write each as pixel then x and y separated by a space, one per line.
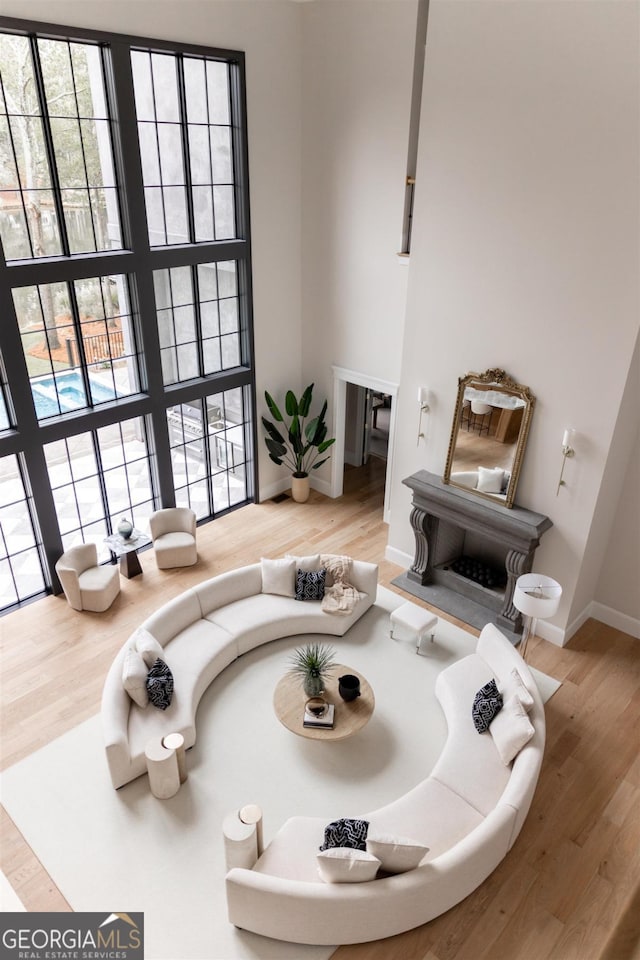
pixel 252 814
pixel 242 840
pixel 162 767
pixel 175 741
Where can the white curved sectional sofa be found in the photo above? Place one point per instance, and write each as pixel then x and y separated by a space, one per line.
pixel 468 811
pixel 202 631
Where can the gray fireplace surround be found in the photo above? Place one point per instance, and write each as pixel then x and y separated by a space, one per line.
pixel 448 523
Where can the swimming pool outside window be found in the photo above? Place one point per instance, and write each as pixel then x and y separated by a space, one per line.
pixel 85 354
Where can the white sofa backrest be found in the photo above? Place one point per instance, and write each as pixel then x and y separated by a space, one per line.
pixel 228 587
pixel 174 616
pixel 526 767
pixel 364 577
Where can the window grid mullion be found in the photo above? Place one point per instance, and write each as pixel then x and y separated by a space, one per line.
pixel 195 283
pixel 101 481
pixel 15 163
pixel 109 99
pixel 49 146
pixel 186 152
pixel 157 133
pixel 82 149
pixel 82 357
pixel 213 201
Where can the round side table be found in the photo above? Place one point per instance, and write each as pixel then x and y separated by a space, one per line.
pixel 289 699
pixel 162 767
pixel 175 741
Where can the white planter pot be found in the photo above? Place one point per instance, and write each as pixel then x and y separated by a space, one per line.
pixel 300 489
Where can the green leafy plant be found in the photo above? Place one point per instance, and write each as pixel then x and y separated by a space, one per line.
pixel 312 664
pixel 304 441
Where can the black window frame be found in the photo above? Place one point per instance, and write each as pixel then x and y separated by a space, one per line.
pixel 136 260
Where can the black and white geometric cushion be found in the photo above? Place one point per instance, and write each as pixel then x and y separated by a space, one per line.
pixel 310 584
pixel 346 833
pixel 486 704
pixel 160 685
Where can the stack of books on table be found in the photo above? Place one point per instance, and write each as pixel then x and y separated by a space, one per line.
pixel 325 720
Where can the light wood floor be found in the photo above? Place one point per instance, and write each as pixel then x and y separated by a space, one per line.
pixel 568 890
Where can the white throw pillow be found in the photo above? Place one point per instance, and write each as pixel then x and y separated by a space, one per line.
pixel 514 686
pixel 279 576
pixel 147 646
pixel 309 564
pixel 345 865
pixel 511 729
pixel 490 480
pixel 396 854
pixel 134 677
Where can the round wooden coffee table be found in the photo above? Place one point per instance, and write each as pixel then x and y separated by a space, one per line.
pixel 289 699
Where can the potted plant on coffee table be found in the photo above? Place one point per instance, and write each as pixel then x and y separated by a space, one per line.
pixel 304 442
pixel 313 664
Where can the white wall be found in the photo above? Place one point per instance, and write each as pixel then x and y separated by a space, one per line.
pixel 618 586
pixel 525 244
pixel 357 74
pixel 269 32
pixel 613 550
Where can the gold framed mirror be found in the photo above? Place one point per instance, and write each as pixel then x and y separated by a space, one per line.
pixel 489 435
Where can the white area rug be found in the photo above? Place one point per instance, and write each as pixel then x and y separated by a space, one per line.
pixel 9 899
pixel 126 851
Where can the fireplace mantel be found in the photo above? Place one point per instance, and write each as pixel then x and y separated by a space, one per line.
pixel 448 522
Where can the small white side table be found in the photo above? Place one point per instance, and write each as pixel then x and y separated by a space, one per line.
pixel 242 831
pixel 162 767
pixel 414 621
pixel 175 741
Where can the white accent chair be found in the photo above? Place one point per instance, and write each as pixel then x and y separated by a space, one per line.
pixel 173 532
pixel 86 584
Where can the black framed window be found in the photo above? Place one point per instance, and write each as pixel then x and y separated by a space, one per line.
pixel 198 320
pixel 21 568
pixel 209 441
pixel 79 343
pixel 99 476
pixel 59 192
pixel 125 285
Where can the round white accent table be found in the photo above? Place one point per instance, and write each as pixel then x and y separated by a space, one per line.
pixel 162 767
pixel 175 741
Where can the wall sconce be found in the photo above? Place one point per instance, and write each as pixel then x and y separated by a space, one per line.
pixel 567 451
pixel 423 400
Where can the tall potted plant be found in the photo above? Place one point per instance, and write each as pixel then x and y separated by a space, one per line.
pixel 304 442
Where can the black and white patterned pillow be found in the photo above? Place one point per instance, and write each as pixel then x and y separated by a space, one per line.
pixel 486 704
pixel 346 833
pixel 160 685
pixel 310 584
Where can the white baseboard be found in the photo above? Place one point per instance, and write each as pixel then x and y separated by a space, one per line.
pixel 613 618
pixel 282 486
pixel 322 486
pixel 398 557
pixel 273 489
pixel 553 634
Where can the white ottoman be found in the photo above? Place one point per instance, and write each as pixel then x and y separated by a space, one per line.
pixel 414 621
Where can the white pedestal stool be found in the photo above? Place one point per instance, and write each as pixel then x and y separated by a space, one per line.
pixel 242 832
pixel 413 621
pixel 162 767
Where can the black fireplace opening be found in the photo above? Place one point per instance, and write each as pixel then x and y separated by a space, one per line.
pixel 487 575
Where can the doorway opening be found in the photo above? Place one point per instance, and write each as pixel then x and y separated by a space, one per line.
pixel 364 411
